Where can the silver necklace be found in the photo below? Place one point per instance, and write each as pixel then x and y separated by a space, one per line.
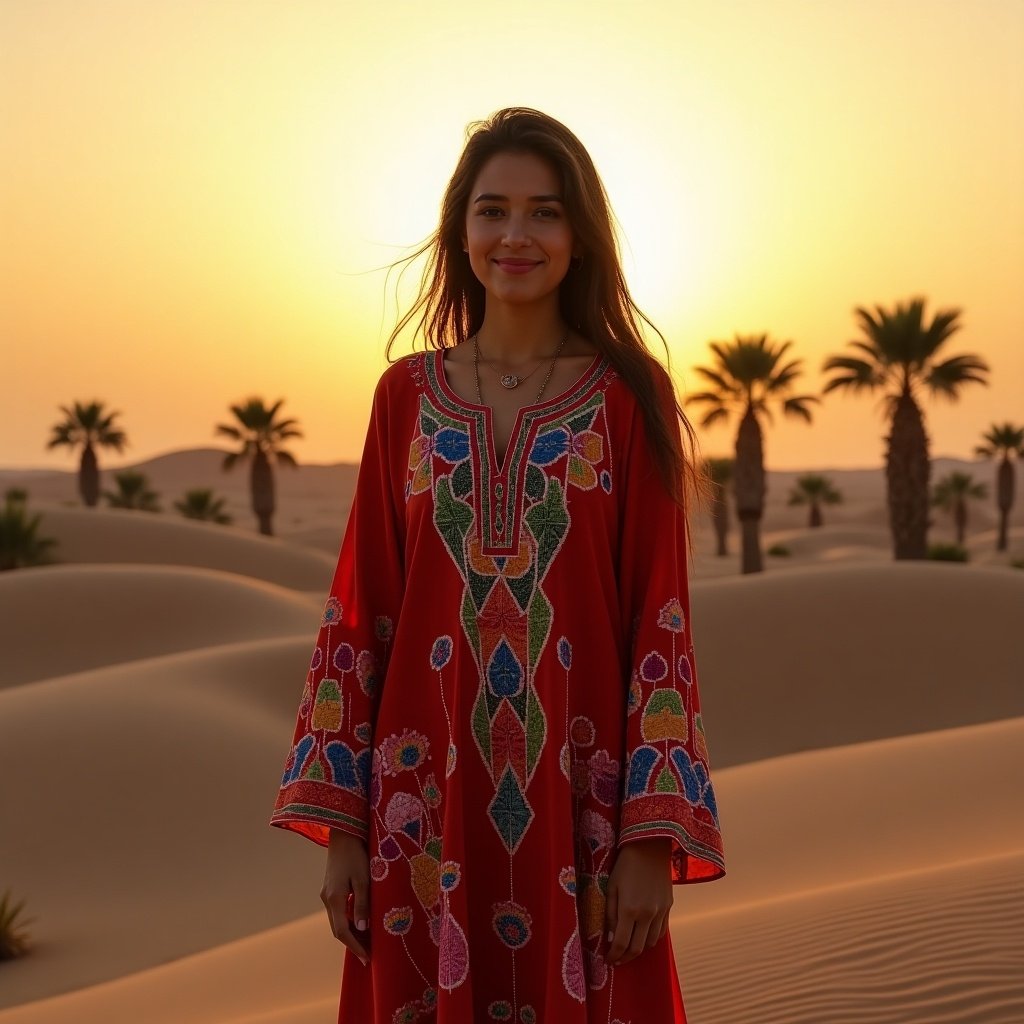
pixel 511 380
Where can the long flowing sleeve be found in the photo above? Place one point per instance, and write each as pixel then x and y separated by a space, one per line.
pixel 667 788
pixel 327 771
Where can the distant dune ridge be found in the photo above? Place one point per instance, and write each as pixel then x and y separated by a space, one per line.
pixel 314 500
pixel 865 721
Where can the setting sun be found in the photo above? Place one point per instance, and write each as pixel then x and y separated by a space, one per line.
pixel 220 226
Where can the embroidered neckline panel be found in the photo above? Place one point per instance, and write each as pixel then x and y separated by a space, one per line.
pixel 498 495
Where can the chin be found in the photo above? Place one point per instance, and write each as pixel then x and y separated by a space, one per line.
pixel 516 293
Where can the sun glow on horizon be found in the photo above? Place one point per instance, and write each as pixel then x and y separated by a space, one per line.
pixel 185 233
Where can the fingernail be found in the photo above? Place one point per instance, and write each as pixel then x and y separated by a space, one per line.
pixel 611 935
pixel 361 924
pixel 362 961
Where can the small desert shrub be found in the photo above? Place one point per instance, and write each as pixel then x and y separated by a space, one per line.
pixel 19 543
pixel 1017 563
pixel 13 937
pixel 947 552
pixel 779 549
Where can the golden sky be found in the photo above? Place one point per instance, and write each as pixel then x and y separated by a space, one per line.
pixel 195 194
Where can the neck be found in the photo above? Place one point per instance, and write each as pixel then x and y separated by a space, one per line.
pixel 519 335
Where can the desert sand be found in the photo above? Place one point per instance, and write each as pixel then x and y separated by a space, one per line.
pixel 865 722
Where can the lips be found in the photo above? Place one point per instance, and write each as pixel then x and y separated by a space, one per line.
pixel 517 266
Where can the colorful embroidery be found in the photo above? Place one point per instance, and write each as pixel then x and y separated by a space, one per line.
pixel 506 615
pixel 668 787
pixel 531 557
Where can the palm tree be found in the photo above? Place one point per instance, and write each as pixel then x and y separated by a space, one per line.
pixel 19 545
pixel 14 940
pixel 260 438
pixel 951 494
pixel 748 373
pixel 132 492
pixel 814 490
pixel 899 356
pixel 199 503
pixel 720 472
pixel 1005 441
pixel 88 425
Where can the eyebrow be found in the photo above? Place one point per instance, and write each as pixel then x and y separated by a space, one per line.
pixel 493 196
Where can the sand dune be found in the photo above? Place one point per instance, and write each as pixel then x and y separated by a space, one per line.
pixel 935 946
pixel 111 535
pixel 839 858
pixel 314 501
pixel 224 984
pixel 827 655
pixel 64 618
pixel 809 821
pixel 177 771
pixel 866 727
pixel 136 829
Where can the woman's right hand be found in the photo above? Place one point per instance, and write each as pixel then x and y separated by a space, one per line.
pixel 348 870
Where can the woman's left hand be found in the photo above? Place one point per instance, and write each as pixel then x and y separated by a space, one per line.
pixel 639 898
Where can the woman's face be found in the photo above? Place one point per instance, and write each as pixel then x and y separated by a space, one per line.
pixel 517 233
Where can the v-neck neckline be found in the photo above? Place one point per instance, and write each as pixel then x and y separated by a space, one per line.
pixel 580 384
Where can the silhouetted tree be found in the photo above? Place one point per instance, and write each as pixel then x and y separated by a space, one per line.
pixel 19 543
pixel 199 503
pixel 1003 442
pixel 260 435
pixel 720 472
pixel 899 357
pixel 814 490
pixel 952 493
pixel 747 375
pixel 132 492
pixel 90 426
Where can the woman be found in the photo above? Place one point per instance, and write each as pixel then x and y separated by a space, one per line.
pixel 500 740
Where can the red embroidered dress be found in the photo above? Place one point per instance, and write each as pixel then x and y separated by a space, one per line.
pixel 502 693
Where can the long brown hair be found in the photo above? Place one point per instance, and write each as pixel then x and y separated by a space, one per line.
pixel 593 296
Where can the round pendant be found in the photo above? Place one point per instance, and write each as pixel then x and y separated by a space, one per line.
pixel 509 380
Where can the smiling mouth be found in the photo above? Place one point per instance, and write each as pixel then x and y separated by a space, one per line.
pixel 517 266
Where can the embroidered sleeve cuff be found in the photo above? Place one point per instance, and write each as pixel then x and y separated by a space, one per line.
pixel 697 853
pixel 313 808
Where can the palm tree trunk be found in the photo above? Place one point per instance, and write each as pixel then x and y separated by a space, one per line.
pixel 960 513
pixel 89 476
pixel 907 470
pixel 720 518
pixel 1005 489
pixel 262 483
pixel 749 488
pixel 816 519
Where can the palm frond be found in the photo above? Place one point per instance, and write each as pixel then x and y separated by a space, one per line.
pixel 946 378
pixel 714 416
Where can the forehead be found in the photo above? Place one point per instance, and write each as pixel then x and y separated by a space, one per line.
pixel 517 174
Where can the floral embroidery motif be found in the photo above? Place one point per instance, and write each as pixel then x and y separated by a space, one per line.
pixel 409 830
pixel 453 952
pixel 318 756
pixel 398 920
pixel 512 923
pixel 591 774
pixel 572 969
pixel 503 527
pixel 405 752
pixel 417 1009
pixel 506 615
pixel 503 535
pixel 671 763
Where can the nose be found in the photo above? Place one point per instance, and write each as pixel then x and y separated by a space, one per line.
pixel 515 235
